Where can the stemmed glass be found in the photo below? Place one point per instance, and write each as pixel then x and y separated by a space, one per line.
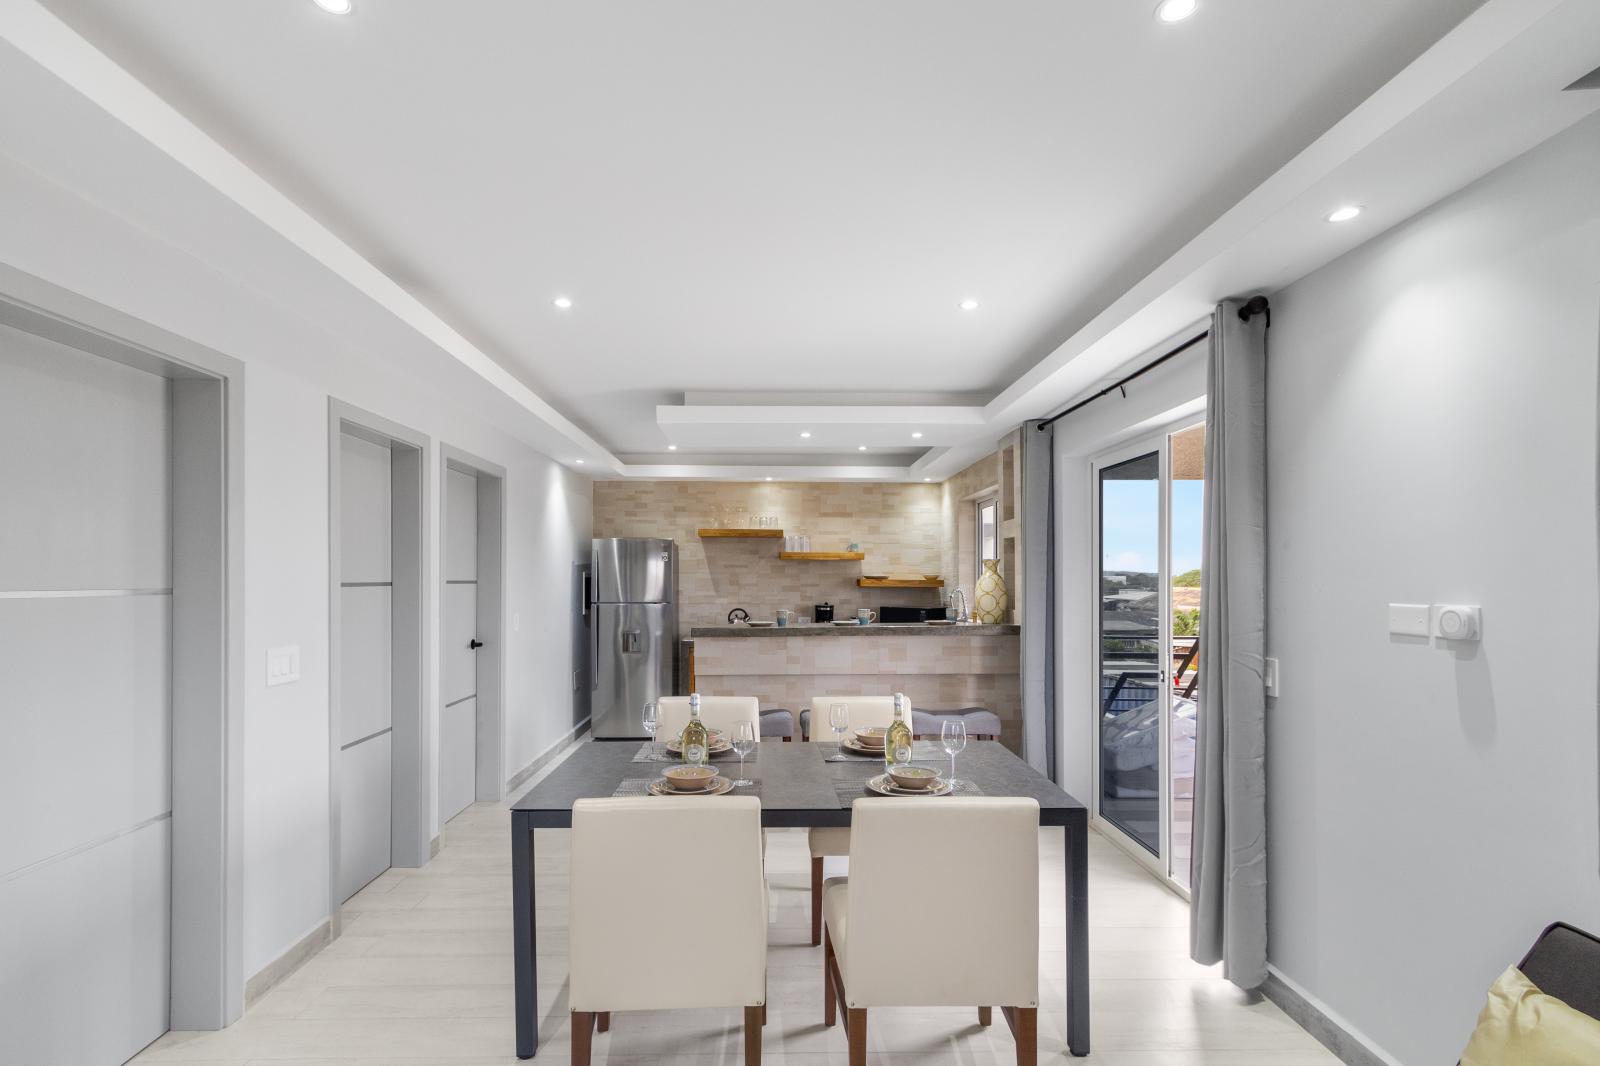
pixel 953 736
pixel 652 722
pixel 838 721
pixel 744 742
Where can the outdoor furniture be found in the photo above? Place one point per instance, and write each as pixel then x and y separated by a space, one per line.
pixel 982 724
pixel 796 788
pixel 890 938
pixel 865 713
pixel 625 957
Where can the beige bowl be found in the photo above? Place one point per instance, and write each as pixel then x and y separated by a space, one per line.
pixel 690 778
pixel 873 737
pixel 914 777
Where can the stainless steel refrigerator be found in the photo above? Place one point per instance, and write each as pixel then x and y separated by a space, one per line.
pixel 634 619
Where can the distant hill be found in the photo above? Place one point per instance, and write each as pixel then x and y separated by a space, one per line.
pixel 1190 580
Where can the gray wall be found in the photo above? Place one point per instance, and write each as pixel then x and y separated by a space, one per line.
pixel 1432 421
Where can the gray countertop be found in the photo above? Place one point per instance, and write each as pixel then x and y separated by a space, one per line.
pixel 876 629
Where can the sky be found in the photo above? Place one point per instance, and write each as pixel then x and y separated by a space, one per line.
pixel 1131 525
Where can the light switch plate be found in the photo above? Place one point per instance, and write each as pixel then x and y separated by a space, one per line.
pixel 1408 619
pixel 283 665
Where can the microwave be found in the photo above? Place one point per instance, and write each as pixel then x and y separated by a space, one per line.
pixel 911 614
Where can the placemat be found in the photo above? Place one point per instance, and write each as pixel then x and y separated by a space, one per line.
pixel 921 751
pixel 850 791
pixel 640 786
pixel 662 755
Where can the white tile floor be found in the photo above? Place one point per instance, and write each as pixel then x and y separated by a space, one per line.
pixel 423 975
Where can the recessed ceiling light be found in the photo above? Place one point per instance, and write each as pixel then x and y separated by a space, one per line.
pixel 562 303
pixel 861 447
pixel 805 433
pixel 672 447
pixel 917 435
pixel 969 304
pixel 578 461
pixel 927 479
pixel 334 7
pixel 1345 213
pixel 1176 10
pixel 769 479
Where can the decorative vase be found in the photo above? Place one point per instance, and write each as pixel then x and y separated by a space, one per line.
pixel 990 598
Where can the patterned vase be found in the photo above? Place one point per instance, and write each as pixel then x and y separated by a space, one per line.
pixel 990 598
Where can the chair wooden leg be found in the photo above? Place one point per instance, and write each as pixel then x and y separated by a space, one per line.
pixel 816 900
pixel 1024 1022
pixel 985 1015
pixel 582 1036
pixel 602 1021
pixel 754 1019
pixel 855 1026
pixel 829 1002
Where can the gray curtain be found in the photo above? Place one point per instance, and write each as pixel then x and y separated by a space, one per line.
pixel 1228 918
pixel 1039 598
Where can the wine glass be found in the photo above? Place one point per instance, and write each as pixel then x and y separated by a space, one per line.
pixel 744 742
pixel 652 722
pixel 838 721
pixel 953 736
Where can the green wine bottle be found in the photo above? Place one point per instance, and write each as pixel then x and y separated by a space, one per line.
pixel 694 741
pixel 897 745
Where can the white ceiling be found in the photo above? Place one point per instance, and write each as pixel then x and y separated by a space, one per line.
pixel 764 197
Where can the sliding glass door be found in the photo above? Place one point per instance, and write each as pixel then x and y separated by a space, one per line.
pixel 1148 510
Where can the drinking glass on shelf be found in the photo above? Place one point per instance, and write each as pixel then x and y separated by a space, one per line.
pixel 652 722
pixel 838 721
pixel 744 742
pixel 953 736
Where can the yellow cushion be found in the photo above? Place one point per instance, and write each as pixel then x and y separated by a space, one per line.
pixel 1520 1025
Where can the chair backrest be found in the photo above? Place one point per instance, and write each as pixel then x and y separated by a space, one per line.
pixel 717 712
pixel 1565 963
pixel 669 904
pixel 944 903
pixel 865 712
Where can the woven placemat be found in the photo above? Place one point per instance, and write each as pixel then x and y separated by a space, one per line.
pixel 662 755
pixel 640 786
pixel 850 791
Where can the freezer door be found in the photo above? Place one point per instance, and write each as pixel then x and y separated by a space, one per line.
pixel 634 645
pixel 634 570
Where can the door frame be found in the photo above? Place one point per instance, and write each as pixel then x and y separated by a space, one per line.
pixel 491 754
pixel 1158 441
pixel 207 978
pixel 410 752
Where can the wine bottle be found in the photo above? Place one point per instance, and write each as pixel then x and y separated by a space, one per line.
pixel 694 741
pixel 897 745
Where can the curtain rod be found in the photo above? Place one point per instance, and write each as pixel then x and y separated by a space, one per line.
pixel 1179 350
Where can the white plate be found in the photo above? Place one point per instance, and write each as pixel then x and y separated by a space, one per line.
pixel 761 625
pixel 851 622
pixel 718 747
pixel 661 788
pixel 850 746
pixel 884 786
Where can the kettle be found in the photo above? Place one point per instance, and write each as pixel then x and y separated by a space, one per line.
pixel 822 612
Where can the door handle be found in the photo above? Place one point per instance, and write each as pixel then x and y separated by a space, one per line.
pixel 474 644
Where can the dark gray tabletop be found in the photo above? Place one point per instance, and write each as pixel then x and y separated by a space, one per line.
pixel 794 783
pixel 876 629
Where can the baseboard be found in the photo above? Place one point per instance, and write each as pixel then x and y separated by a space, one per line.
pixel 524 775
pixel 433 848
pixel 298 954
pixel 1346 1042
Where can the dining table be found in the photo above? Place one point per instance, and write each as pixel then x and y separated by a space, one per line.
pixel 798 787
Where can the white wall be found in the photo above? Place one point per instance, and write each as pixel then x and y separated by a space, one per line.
pixel 1432 434
pixel 293 366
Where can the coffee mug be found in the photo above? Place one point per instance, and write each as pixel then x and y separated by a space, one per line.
pixel 784 616
pixel 864 616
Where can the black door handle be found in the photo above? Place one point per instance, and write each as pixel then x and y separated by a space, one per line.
pixel 474 643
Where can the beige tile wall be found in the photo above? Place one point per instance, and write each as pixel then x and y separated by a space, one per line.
pixel 900 527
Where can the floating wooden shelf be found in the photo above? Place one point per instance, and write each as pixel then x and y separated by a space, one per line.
pixel 900 582
pixel 761 534
pixel 823 557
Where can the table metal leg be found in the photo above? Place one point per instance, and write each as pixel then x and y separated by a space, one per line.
pixel 522 903
pixel 1077 862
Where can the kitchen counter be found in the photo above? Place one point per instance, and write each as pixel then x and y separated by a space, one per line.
pixel 876 629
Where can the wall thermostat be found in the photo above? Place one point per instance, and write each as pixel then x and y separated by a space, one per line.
pixel 1456 621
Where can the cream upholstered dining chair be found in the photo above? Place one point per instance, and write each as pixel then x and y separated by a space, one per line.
pixel 717 712
pixel 899 928
pixel 865 712
pixel 637 864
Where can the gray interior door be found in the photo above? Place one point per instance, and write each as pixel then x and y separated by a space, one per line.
pixel 458 721
pixel 365 647
pixel 85 706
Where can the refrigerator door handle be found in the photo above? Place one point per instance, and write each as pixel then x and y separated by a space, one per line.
pixel 594 658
